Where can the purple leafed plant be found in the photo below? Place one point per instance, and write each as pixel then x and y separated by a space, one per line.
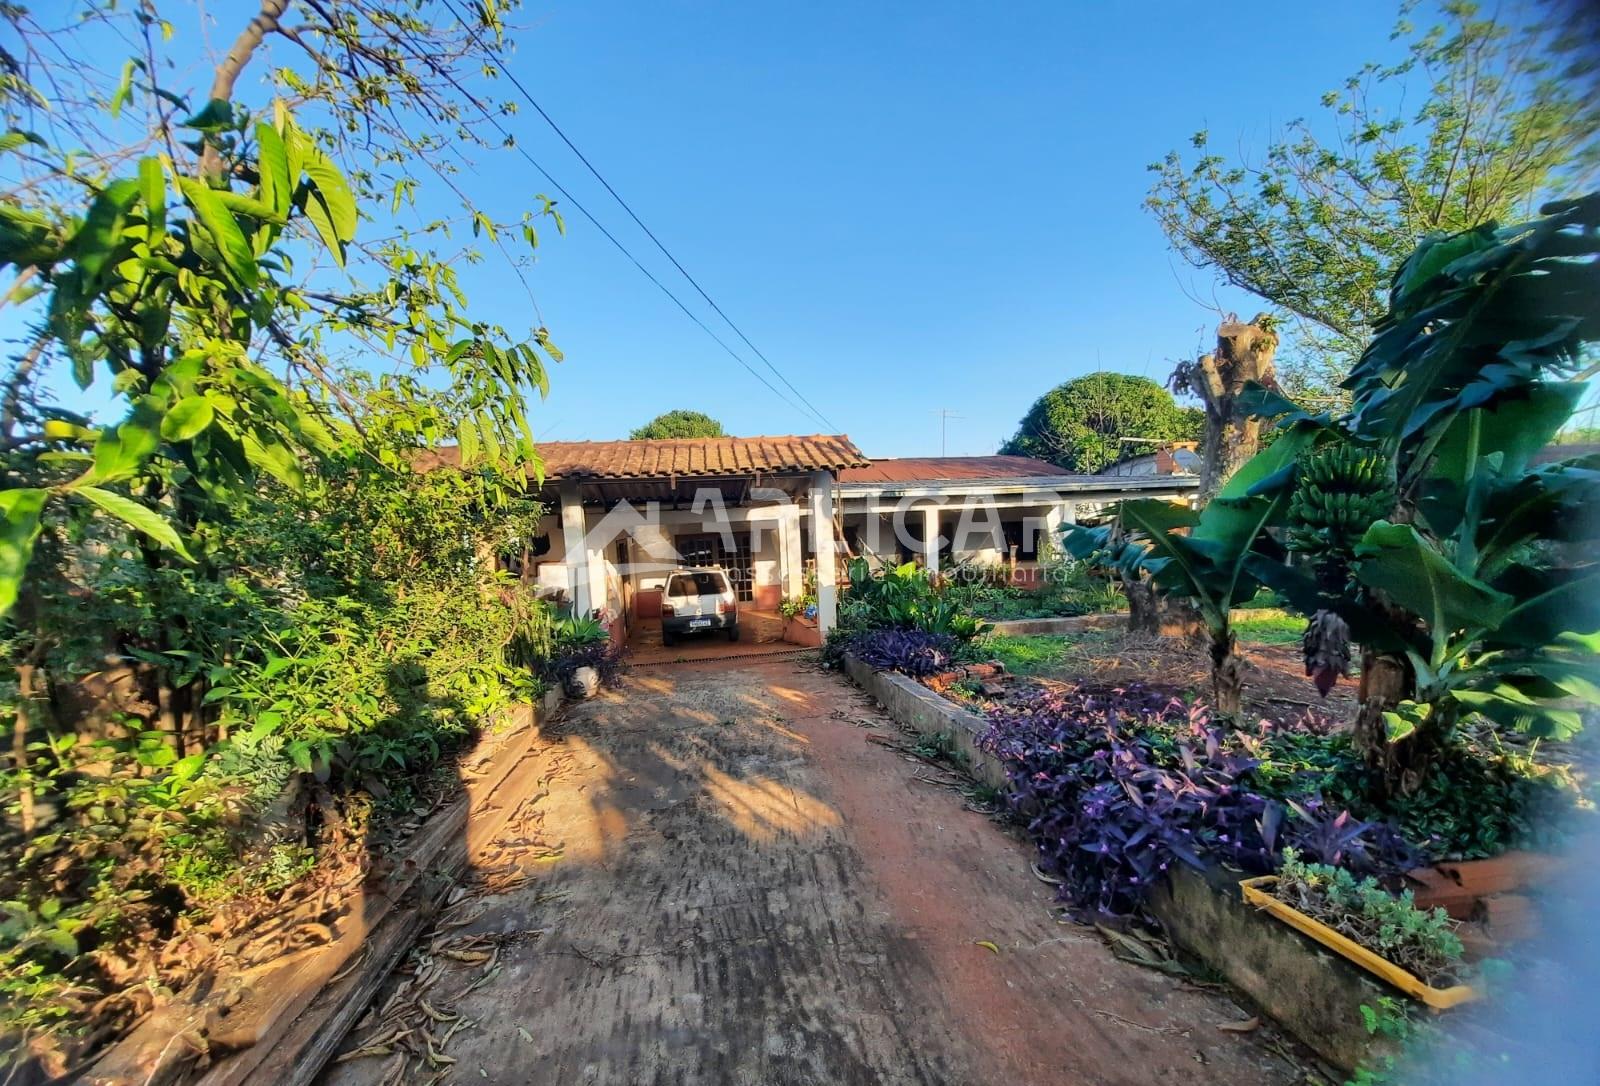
pixel 910 652
pixel 1333 836
pixel 1108 812
pixel 604 656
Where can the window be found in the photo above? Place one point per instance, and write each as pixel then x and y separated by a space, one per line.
pixel 684 585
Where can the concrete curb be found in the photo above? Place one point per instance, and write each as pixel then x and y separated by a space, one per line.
pixel 1311 992
pixel 1015 627
pixel 914 706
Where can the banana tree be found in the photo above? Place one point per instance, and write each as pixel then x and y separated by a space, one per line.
pixel 1475 592
pixel 1204 556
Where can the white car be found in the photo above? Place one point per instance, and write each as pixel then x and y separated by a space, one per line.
pixel 697 601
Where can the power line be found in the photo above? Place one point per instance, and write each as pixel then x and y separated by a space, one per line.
pixel 621 248
pixel 506 68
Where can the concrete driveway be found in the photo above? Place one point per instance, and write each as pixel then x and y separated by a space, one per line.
pixel 737 879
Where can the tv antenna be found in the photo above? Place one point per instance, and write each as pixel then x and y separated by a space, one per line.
pixel 944 416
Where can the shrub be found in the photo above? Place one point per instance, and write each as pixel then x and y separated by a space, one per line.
pixel 1107 817
pixel 1480 799
pixel 1331 835
pixel 1117 783
pixel 910 652
pixel 904 598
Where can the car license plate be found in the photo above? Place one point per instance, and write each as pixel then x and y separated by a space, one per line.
pixel 699 623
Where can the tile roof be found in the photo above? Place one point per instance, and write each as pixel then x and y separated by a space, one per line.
pixel 920 469
pixel 689 457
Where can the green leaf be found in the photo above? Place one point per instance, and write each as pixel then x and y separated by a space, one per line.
pixel 120 452
pixel 214 117
pixel 238 258
pixel 1398 562
pixel 124 90
pixel 1270 463
pixel 1516 428
pixel 277 187
pixel 185 768
pixel 1434 254
pixel 467 441
pixel 240 204
pixel 335 192
pixel 101 234
pixel 139 517
pixel 1404 720
pixel 22 508
pixel 188 417
pixel 153 193
pixel 317 211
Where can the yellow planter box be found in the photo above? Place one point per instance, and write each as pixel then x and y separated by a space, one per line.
pixel 1258 892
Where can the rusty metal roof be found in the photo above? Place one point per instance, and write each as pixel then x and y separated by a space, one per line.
pixel 690 457
pixel 920 469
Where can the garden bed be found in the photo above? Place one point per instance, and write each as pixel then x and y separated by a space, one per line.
pixel 1319 996
pixel 1097 649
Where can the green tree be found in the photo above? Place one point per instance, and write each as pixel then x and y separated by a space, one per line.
pixel 241 533
pixel 680 423
pixel 1091 422
pixel 1482 119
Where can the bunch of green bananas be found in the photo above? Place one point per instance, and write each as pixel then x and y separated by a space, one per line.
pixel 1341 489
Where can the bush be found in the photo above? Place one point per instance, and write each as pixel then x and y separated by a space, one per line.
pixel 1107 817
pixel 904 598
pixel 604 656
pixel 1480 800
pixel 910 652
pixel 1115 784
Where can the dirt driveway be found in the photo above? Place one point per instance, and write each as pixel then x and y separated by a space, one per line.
pixel 737 881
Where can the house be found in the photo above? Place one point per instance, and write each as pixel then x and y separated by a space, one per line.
pixel 625 513
pixel 1178 458
pixel 977 510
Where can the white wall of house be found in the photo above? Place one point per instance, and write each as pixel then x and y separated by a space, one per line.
pixel 973 516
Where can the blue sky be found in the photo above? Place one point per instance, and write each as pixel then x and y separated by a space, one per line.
pixel 907 207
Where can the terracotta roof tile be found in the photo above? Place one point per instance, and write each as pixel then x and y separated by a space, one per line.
pixel 928 469
pixel 683 457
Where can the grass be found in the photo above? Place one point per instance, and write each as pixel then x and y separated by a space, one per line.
pixel 1269 626
pixel 1028 654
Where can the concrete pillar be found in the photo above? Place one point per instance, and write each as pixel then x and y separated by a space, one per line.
pixel 1054 517
pixel 577 557
pixel 791 558
pixel 827 551
pixel 930 536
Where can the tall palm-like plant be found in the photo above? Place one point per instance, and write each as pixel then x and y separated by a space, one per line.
pixel 1477 590
pixel 1202 556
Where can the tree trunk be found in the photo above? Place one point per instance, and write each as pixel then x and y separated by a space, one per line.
pixel 19 745
pixel 1244 354
pixel 265 21
pixel 1144 612
pixel 1227 675
pixel 1397 768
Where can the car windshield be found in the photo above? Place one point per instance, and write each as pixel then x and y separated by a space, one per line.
pixel 695 584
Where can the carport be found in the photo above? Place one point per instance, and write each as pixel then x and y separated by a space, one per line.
pixel 761 633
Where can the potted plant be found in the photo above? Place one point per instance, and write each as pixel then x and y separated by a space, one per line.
pixel 1417 951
